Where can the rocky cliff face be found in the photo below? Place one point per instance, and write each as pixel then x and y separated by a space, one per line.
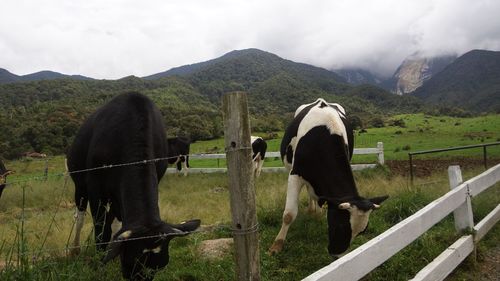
pixel 358 76
pixel 415 71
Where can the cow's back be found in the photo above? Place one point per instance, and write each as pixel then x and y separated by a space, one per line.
pixel 127 129
pixel 318 146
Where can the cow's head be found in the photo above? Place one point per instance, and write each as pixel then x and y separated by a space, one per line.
pixel 141 257
pixel 347 219
pixel 3 180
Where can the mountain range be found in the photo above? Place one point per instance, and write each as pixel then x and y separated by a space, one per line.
pixel 434 80
pixel 43 115
pixel 472 81
pixel 8 77
pixel 412 73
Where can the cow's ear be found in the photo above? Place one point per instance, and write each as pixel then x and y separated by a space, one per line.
pixel 167 231
pixel 344 206
pixel 187 226
pixel 116 244
pixel 377 201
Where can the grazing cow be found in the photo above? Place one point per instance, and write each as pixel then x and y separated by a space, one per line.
pixel 35 155
pixel 259 147
pixel 178 153
pixel 317 147
pixel 128 129
pixel 3 177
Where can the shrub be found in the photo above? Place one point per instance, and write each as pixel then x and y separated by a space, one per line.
pixel 406 147
pixel 355 122
pixel 398 123
pixel 377 122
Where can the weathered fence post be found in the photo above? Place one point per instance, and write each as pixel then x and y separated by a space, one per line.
pixel 46 170
pixel 410 156
pixel 241 185
pixel 484 158
pixel 380 147
pixel 463 214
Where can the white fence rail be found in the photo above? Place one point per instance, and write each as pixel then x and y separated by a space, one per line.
pixel 379 150
pixel 368 256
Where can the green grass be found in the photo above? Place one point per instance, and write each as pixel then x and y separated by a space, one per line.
pixel 49 218
pixel 48 211
pixel 422 132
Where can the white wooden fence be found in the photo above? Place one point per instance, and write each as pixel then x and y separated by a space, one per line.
pixel 368 256
pixel 379 150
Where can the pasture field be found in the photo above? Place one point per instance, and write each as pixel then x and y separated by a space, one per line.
pixel 36 213
pixel 36 218
pixel 420 132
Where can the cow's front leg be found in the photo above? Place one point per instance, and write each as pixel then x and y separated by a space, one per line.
pixel 291 209
pixel 102 223
pixel 185 167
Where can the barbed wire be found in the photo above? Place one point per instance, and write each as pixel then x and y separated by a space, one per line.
pixel 67 173
pixel 139 162
pixel 89 244
pixel 67 248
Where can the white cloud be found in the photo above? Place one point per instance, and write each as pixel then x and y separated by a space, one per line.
pixel 112 39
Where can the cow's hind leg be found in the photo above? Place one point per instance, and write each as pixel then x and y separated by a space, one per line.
pixel 81 207
pixel 313 207
pixel 290 213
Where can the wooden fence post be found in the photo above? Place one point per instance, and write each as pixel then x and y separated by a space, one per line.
pixel 241 185
pixel 46 170
pixel 463 214
pixel 380 146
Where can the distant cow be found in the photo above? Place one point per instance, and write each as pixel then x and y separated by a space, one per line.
pixel 317 147
pixel 259 147
pixel 178 153
pixel 35 155
pixel 128 129
pixel 3 177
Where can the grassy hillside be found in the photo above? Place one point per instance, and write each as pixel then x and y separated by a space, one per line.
pixel 43 116
pixel 420 132
pixel 472 82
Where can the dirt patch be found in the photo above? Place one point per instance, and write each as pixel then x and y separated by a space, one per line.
pixel 490 267
pixel 486 269
pixel 215 249
pixel 426 167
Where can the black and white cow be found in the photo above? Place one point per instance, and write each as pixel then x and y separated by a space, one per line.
pixel 127 129
pixel 3 177
pixel 178 153
pixel 259 147
pixel 317 148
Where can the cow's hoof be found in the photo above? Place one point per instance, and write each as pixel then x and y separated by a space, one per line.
pixel 276 247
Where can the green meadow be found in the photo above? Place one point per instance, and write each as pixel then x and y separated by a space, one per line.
pixel 419 132
pixel 36 213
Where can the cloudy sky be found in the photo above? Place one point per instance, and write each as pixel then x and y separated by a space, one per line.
pixel 110 39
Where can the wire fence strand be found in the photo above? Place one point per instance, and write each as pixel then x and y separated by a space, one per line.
pixel 15 251
pixel 105 166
